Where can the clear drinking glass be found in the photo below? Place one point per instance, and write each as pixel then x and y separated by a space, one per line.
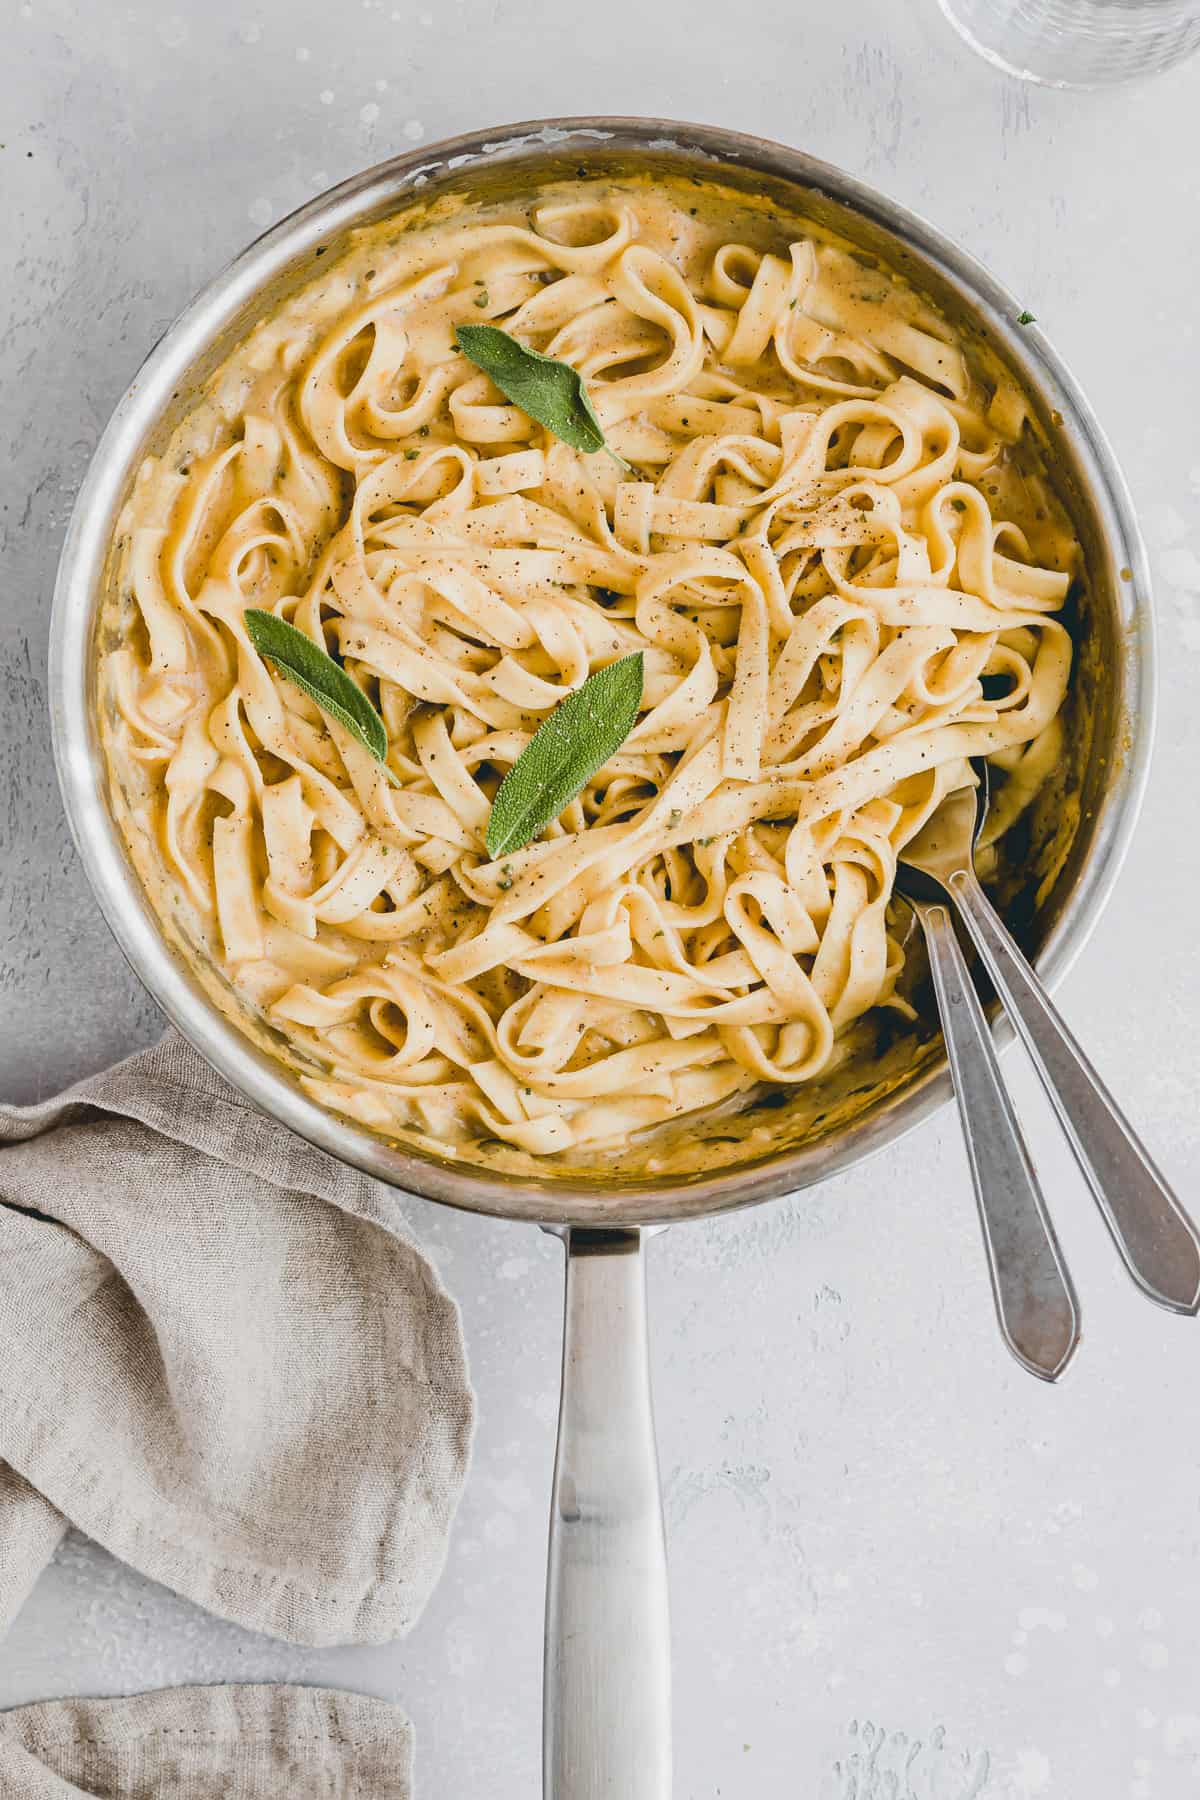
pixel 1078 43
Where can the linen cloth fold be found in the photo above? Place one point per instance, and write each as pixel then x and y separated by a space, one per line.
pixel 208 1743
pixel 221 1358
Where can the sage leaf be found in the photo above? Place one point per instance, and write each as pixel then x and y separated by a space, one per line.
pixel 550 391
pixel 316 674
pixel 564 753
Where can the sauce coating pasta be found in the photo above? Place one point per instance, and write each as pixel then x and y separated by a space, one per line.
pixel 834 548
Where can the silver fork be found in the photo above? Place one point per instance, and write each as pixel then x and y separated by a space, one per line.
pixel 1156 1239
pixel 1036 1306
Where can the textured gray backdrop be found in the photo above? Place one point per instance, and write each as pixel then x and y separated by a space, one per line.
pixel 882 1532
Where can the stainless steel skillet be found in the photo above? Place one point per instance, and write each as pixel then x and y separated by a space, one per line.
pixel 607 1675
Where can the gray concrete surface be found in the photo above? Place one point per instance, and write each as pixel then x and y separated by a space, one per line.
pixel 882 1532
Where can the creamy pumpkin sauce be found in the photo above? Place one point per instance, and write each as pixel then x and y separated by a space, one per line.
pixel 834 546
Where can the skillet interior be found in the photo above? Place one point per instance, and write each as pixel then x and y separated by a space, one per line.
pixel 896 1072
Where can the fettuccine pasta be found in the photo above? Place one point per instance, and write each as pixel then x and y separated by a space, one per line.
pixel 833 546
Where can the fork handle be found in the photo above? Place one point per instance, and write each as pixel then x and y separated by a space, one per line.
pixel 1035 1302
pixel 1156 1239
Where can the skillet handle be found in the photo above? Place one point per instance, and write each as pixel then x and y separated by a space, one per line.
pixel 607 1699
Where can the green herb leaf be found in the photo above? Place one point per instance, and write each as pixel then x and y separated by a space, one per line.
pixel 550 391
pixel 564 753
pixel 1026 318
pixel 316 674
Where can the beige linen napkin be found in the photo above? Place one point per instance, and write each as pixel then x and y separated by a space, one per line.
pixel 217 1743
pixel 220 1358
